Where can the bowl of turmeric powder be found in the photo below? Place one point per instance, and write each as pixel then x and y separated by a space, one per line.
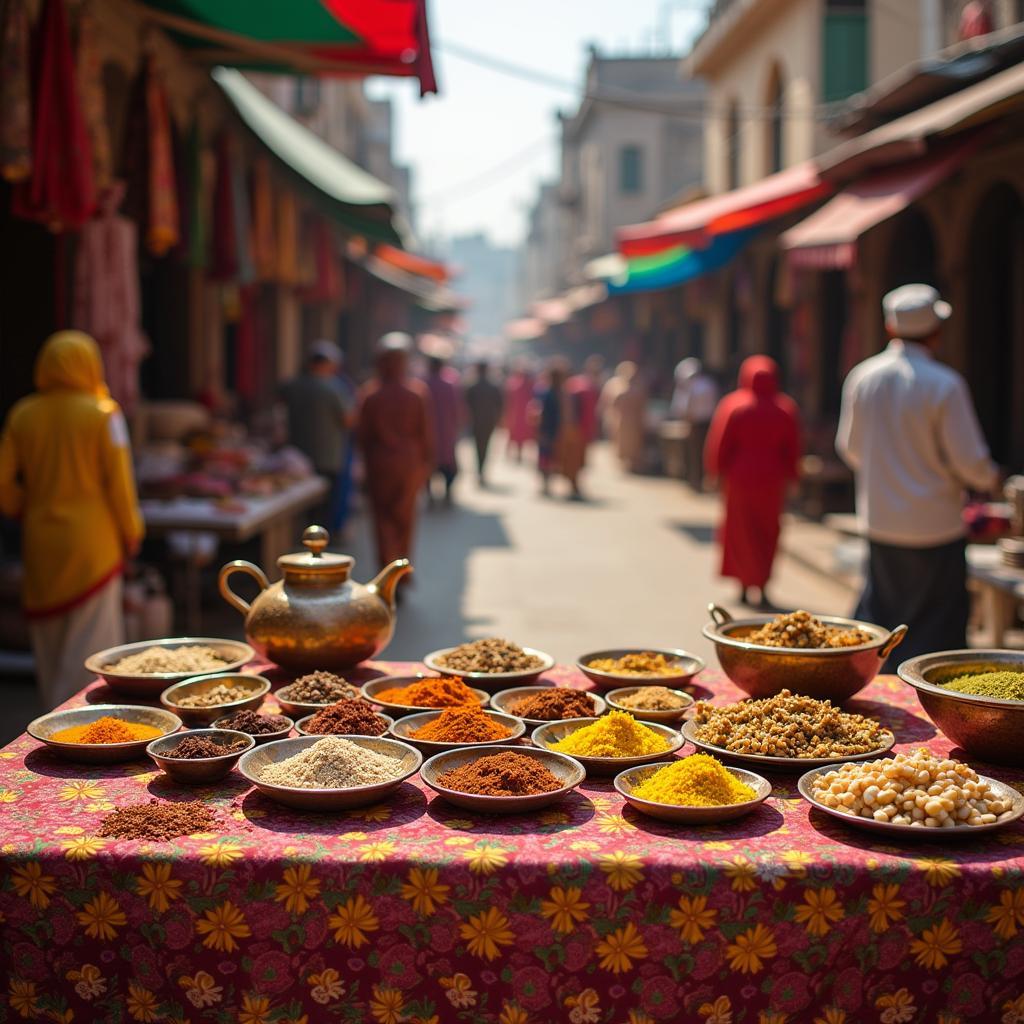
pixel 103 733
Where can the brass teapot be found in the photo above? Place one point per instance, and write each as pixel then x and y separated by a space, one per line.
pixel 315 617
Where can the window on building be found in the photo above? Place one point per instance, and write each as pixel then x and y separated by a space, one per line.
pixel 775 116
pixel 845 49
pixel 631 170
pixel 732 146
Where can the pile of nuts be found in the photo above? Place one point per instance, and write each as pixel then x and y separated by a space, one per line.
pixel 788 725
pixel 918 789
pixel 319 688
pixel 490 655
pixel 802 629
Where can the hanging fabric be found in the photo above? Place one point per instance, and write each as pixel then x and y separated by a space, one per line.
pixel 223 238
pixel 15 91
pixel 94 106
pixel 287 238
pixel 248 345
pixel 327 283
pixel 246 271
pixel 162 225
pixel 263 242
pixel 196 208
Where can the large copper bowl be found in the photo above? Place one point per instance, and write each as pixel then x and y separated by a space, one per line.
pixel 827 673
pixel 987 727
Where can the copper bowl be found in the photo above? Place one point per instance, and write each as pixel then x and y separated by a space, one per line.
pixel 827 673
pixel 990 728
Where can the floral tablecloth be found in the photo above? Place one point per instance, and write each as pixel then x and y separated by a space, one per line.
pixel 413 911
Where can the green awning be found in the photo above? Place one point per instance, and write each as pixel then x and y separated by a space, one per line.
pixel 351 196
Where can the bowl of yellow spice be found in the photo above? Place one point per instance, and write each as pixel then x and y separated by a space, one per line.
pixel 103 733
pixel 694 790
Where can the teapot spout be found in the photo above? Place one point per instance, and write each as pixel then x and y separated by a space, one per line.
pixel 385 582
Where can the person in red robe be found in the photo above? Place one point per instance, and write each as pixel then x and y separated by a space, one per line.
pixel 753 450
pixel 397 443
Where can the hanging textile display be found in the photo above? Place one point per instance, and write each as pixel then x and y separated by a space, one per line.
pixel 94 107
pixel 263 242
pixel 287 271
pixel 248 344
pixel 231 245
pixel 15 91
pixel 326 285
pixel 196 202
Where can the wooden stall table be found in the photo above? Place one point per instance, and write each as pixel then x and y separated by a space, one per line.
pixel 1002 590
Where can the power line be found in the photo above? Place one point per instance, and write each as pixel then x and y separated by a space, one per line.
pixel 491 175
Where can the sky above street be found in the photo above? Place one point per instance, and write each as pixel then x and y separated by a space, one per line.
pixel 479 150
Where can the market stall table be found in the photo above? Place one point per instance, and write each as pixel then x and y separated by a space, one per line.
pixel 1002 590
pixel 415 911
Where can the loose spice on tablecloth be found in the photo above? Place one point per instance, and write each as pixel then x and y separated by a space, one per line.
pixel 222 693
pixel 696 781
pixel 462 725
pixel 319 688
pixel 254 724
pixel 158 660
pixel 618 734
pixel 354 717
pixel 443 692
pixel 554 705
pixel 332 763
pixel 505 774
pixel 641 663
pixel 652 698
pixel 490 655
pixel 107 730
pixel 194 748
pixel 159 821
pixel 1006 685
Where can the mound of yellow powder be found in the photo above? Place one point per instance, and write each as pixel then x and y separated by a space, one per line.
pixel 616 735
pixel 695 781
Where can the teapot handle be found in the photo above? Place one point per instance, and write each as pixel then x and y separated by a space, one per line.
pixel 250 570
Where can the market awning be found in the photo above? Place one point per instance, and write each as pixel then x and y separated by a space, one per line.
pixel 316 37
pixel 697 224
pixel 413 263
pixel 552 311
pixel 527 328
pixel 354 198
pixel 425 293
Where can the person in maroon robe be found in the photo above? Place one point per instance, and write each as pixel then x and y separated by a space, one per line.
pixel 753 450
pixel 397 442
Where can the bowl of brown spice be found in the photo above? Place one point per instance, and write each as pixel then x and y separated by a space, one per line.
pixel 200 701
pixel 502 780
pixel 453 728
pixel 103 733
pixel 536 705
pixel 313 692
pixel 651 703
pixel 262 728
pixel 200 755
pixel 355 717
pixel 490 663
pixel 639 666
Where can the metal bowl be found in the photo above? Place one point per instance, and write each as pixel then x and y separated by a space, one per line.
pixel 645 714
pixel 506 698
pixel 253 761
pixel 171 697
pixel 375 686
pixel 1001 789
pixel 567 769
pixel 828 673
pixel 302 725
pixel 491 681
pixel 199 770
pixel 405 727
pixel 263 737
pixel 688 815
pixel 685 667
pixel 44 727
pixel 987 727
pixel 236 654
pixel 552 732
pixel 301 708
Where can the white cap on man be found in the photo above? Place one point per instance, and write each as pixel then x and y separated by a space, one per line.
pixel 325 351
pixel 914 311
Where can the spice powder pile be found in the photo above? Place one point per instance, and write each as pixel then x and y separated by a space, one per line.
pixel 348 717
pixel 505 774
pixel 695 781
pixel 462 725
pixel 554 705
pixel 254 724
pixel 158 821
pixel 642 663
pixel 618 734
pixel 332 763
pixel 442 692
pixel 222 693
pixel 490 655
pixel 652 698
pixel 195 748
pixel 1004 685
pixel 157 660
pixel 319 688
pixel 107 730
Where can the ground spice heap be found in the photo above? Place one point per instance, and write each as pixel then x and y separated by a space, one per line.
pixel 618 734
pixel 802 629
pixel 505 774
pixel 157 660
pixel 462 725
pixel 318 688
pixel 490 655
pixel 788 725
pixel 195 748
pixel 352 717
pixel 443 692
pixel 642 663
pixel 695 781
pixel 554 705
pixel 158 820
pixel 254 724
pixel 107 730
pixel 222 693
pixel 332 763
pixel 652 698
pixel 1006 685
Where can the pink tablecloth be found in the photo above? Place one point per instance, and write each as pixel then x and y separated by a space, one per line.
pixel 414 911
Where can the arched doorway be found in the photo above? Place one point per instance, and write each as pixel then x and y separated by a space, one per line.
pixel 995 319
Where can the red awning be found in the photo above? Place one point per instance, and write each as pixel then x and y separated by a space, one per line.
pixel 695 224
pixel 413 263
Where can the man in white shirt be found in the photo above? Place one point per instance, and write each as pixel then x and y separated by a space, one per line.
pixel 694 400
pixel 909 432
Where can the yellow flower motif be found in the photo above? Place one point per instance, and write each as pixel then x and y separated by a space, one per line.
pixel 326 986
pixel 424 891
pixel 220 854
pixel 7 796
pixel 718 1012
pixel 200 989
pixel 1009 915
pixel 156 884
pixel 554 818
pixel 897 1007
pixel 797 861
pixel 102 917
pixel 742 872
pixel 23 997
pixel 485 859
pixel 486 932
pixel 459 824
pixel 83 847
pixel 142 1003
pixel 945 1017
pixel 614 824
pixel 458 841
pixel 512 1014
pixel 352 837
pixel 70 830
pixel 297 889
pixel 386 1004
pixel 620 948
pixel 459 990
pixel 693 918
pixel 936 945
pixel 584 1008
pixel 819 910
pixel 751 948
pixel 376 813
pixel 222 926
pixel 88 981
pixel 884 906
pixel 831 1015
pixel 937 870
pixel 100 807
pixel 61 1016
pixel 81 789
pixel 378 851
pixel 30 881
pixel 624 870
pixel 565 907
pixel 255 1009
pixel 352 920
pixel 769 1017
pixel 1014 1010
pixel 584 844
pixel 639 1017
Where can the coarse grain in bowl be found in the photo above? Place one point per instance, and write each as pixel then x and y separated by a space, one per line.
pixel 553 732
pixel 567 769
pixel 667 716
pixel 492 681
pixel 302 725
pixel 43 728
pixel 235 653
pixel 193 716
pixel 626 781
pixel 375 686
pixel 504 700
pixel 828 673
pixel 405 727
pixel 684 667
pixel 196 771
pixel 304 799
pixel 260 737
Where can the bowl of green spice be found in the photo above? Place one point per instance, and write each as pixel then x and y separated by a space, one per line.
pixel 975 697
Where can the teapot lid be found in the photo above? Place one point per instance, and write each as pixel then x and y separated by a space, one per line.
pixel 315 559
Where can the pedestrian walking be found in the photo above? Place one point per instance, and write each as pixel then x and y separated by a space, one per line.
pixel 520 387
pixel 624 411
pixel 694 398
pixel 66 472
pixel 560 440
pixel 484 402
pixel 753 451
pixel 908 430
pixel 586 387
pixel 395 435
pixel 445 388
